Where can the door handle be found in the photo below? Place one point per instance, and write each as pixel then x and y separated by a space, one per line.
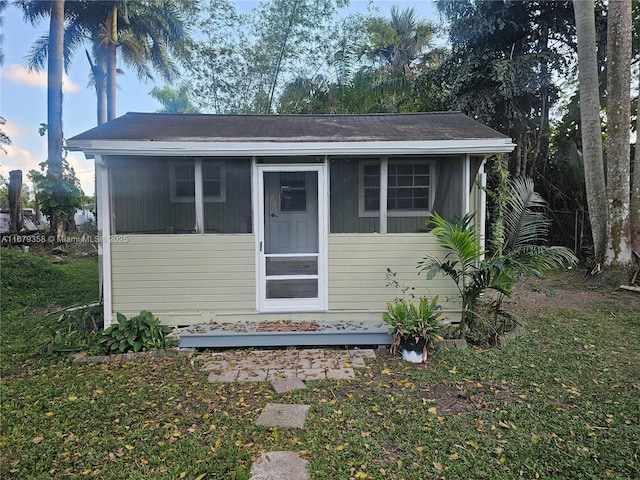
pixel 274 215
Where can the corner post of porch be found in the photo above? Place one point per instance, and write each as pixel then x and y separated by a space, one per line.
pixel 482 206
pixel 466 183
pixel 103 205
pixel 199 196
pixel 384 182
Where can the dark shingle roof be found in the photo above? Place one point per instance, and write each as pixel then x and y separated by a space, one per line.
pixel 290 128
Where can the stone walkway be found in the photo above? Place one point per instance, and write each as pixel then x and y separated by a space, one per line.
pixel 286 370
pixel 270 365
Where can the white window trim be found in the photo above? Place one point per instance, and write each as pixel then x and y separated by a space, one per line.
pixel 384 175
pixel 208 199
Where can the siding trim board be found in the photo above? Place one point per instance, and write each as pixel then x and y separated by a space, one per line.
pixel 103 195
pixel 265 149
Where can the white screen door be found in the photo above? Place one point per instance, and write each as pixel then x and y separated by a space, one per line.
pixel 291 238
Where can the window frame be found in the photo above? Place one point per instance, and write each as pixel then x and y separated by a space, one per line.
pixel 174 198
pixel 391 212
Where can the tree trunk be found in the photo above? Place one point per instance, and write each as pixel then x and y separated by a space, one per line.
pixel 618 131
pixel 283 48
pixel 101 98
pixel 590 124
pixel 36 203
pixel 635 191
pixel 99 81
pixel 112 70
pixel 15 201
pixel 541 151
pixel 55 137
pixel 525 154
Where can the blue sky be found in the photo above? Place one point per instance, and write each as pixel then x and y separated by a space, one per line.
pixel 23 95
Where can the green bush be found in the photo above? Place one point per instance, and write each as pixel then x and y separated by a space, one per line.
pixel 140 333
pixel 410 320
pixel 75 329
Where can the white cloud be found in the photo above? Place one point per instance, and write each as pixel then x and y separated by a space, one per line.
pixel 12 129
pixel 20 75
pixel 18 158
pixel 84 171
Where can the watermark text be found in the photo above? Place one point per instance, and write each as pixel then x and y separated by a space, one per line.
pixel 41 239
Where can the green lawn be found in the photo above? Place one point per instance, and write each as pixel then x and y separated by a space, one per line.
pixel 562 402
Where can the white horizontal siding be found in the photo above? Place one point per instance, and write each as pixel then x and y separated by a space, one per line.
pixel 183 273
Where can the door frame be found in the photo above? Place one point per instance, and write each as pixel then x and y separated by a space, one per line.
pixel 319 304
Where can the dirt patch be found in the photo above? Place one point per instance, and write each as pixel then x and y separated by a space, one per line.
pixel 391 452
pixel 571 290
pixel 451 400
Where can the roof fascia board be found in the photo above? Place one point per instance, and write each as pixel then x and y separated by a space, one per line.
pixel 241 149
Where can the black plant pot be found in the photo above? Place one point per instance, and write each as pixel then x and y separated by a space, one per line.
pixel 412 351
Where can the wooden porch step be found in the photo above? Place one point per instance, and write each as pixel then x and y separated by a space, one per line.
pixel 284 334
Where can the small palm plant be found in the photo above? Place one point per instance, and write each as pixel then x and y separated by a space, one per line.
pixel 520 251
pixel 415 324
pixel 464 265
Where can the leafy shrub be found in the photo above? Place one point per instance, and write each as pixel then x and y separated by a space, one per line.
pixel 75 329
pixel 520 250
pixel 414 321
pixel 140 333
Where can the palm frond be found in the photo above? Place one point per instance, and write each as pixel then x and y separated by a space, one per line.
pixel 458 237
pixel 524 217
pixel 493 276
pixel 540 259
pixel 37 58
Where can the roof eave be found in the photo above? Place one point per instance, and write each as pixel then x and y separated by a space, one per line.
pixel 248 149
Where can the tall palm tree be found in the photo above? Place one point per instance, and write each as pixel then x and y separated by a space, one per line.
pixel 619 35
pixel 592 156
pixel 3 5
pixel 4 138
pixel 150 36
pixel 174 100
pixel 55 136
pixel 400 40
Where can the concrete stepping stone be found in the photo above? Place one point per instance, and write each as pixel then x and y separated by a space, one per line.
pixel 283 415
pixel 324 364
pixel 215 365
pixel 311 352
pixel 311 374
pixel 340 373
pixel 355 362
pixel 338 355
pixel 364 353
pixel 256 375
pixel 226 376
pixel 283 385
pixel 281 374
pixel 280 466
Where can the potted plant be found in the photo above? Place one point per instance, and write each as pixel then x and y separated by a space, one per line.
pixel 414 326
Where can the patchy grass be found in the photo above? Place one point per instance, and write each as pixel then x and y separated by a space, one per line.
pixel 31 287
pixel 560 403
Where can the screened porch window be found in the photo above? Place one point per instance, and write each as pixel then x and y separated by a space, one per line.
pixel 182 176
pixel 409 189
